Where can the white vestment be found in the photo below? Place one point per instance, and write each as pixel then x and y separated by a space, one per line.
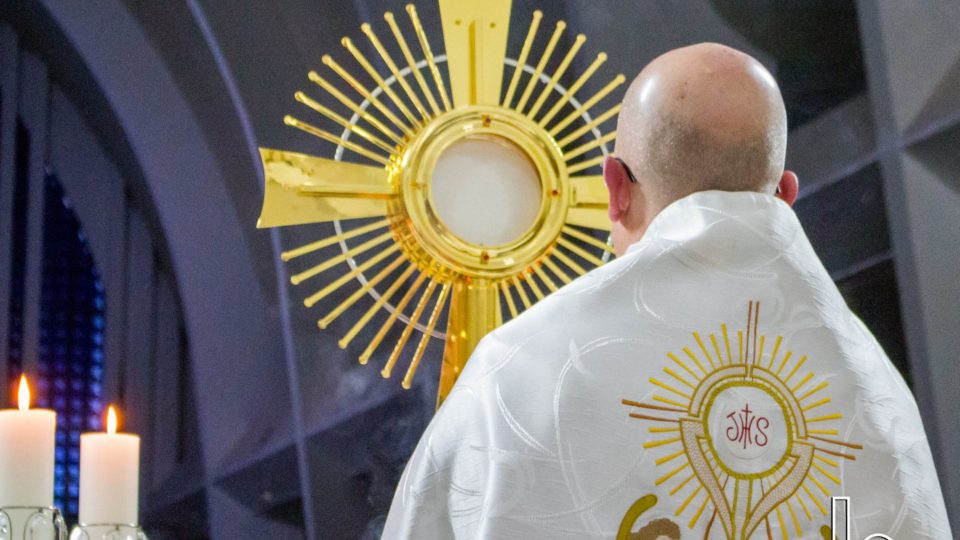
pixel 711 383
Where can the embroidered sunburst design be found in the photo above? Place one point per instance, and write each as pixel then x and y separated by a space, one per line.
pixel 750 436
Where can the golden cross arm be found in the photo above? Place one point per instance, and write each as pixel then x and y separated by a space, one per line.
pixel 475 35
pixel 305 189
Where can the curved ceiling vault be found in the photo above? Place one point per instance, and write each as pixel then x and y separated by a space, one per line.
pixel 230 310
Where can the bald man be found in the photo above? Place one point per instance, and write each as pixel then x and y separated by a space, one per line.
pixel 709 383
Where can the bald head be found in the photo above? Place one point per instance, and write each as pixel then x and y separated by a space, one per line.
pixel 703 117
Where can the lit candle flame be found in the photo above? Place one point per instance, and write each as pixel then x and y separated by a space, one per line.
pixel 23 396
pixel 111 420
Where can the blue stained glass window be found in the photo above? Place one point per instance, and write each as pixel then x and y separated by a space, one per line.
pixel 70 348
pixel 71 339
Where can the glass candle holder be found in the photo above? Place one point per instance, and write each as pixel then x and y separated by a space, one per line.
pixel 108 531
pixel 31 523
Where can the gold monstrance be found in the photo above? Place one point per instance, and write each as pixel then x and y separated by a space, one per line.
pixel 415 141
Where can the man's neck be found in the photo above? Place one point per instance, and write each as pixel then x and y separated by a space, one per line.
pixel 633 228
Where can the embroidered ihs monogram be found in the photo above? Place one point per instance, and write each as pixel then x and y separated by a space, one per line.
pixel 746 443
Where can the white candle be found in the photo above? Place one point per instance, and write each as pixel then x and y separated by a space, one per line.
pixel 27 443
pixel 109 476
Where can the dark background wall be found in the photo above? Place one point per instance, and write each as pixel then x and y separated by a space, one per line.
pixel 255 424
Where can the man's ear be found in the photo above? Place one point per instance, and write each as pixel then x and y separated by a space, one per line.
pixel 788 188
pixel 618 188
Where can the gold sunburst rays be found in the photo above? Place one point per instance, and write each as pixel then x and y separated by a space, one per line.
pixel 790 490
pixel 391 125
